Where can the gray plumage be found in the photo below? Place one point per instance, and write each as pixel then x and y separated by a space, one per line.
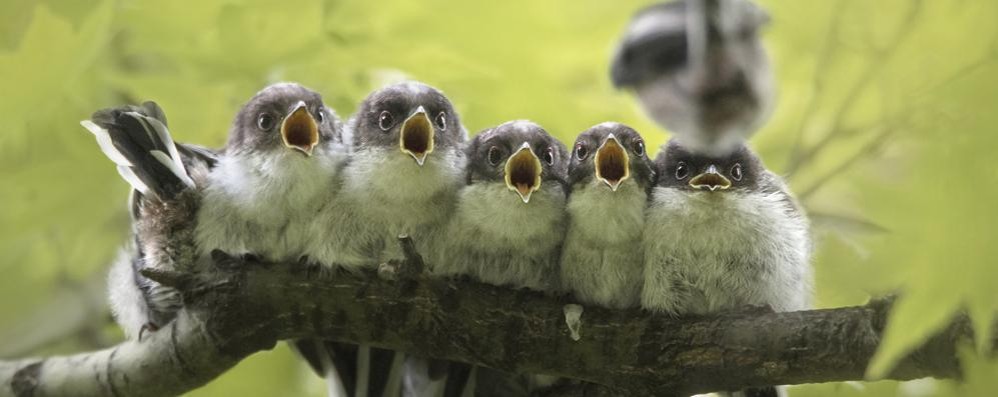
pixel 602 262
pixel 507 229
pixel 393 185
pixel 163 175
pixel 281 164
pixel 402 178
pixel 509 223
pixel 722 233
pixel 252 197
pixel 701 73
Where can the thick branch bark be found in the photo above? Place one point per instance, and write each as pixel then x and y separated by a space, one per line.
pixel 248 307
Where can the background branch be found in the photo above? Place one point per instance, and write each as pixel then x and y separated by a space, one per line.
pixel 245 307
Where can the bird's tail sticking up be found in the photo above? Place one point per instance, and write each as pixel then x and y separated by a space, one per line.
pixel 137 140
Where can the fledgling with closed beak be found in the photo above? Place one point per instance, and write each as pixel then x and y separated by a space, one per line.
pixel 610 174
pixel 402 178
pixel 510 218
pixel 699 69
pixel 723 232
pixel 251 197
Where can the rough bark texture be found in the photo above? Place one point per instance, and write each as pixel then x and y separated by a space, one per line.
pixel 245 307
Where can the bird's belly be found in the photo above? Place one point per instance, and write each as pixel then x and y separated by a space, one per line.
pixel 605 276
pixel 708 256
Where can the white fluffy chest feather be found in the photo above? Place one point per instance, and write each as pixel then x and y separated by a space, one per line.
pixel 603 216
pixel 492 217
pixel 602 261
pixel 497 238
pixel 395 190
pixel 384 194
pixel 258 203
pixel 717 250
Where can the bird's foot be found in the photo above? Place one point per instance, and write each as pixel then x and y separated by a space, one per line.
pixel 147 327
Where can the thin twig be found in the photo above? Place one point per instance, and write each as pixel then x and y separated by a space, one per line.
pixel 824 60
pixel 873 69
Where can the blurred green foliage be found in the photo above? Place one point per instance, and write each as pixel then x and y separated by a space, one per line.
pixel 884 127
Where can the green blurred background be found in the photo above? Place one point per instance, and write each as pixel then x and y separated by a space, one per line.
pixel 884 127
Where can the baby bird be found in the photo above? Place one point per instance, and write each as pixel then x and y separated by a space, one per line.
pixel 251 197
pixel 610 173
pixel 723 232
pixel 509 224
pixel 402 178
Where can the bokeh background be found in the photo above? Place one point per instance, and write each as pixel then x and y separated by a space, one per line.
pixel 885 126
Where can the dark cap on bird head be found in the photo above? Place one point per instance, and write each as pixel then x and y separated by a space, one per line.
pixel 682 168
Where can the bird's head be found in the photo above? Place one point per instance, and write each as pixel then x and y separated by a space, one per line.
pixel 284 117
pixel 519 154
pixel 681 168
pixel 610 154
pixel 413 117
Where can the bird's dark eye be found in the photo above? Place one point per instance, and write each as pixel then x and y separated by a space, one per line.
pixel 736 172
pixel 265 121
pixel 581 152
pixel 639 148
pixel 495 156
pixel 682 171
pixel 386 121
pixel 320 115
pixel 442 121
pixel 548 156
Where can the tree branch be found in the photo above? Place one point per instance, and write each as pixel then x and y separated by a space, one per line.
pixel 243 307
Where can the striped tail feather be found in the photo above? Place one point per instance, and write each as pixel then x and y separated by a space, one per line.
pixel 137 140
pixel 351 370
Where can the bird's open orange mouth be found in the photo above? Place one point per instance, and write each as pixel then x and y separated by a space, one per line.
pixel 612 163
pixel 523 172
pixel 416 137
pixel 299 130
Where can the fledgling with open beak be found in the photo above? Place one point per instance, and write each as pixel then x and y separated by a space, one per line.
pixel 699 69
pixel 251 197
pixel 723 233
pixel 282 162
pixel 510 218
pixel 602 262
pixel 402 178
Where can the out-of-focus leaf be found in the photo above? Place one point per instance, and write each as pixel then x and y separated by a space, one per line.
pixel 50 57
pixel 980 375
pixel 15 17
pixel 944 243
